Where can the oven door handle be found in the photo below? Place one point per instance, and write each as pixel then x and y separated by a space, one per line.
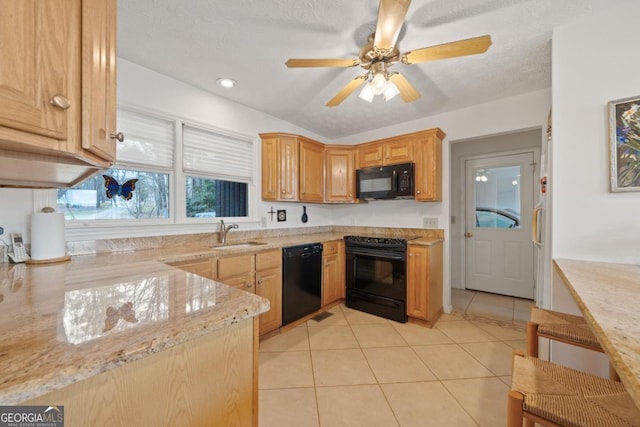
pixel 377 253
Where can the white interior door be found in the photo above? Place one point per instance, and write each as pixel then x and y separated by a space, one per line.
pixel 499 202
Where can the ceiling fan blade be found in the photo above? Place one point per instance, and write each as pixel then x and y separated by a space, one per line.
pixel 347 90
pixel 291 63
pixel 391 15
pixel 448 50
pixel 407 92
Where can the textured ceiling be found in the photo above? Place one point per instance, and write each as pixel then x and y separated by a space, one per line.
pixel 198 41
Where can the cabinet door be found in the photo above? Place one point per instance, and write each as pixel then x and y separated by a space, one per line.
pixel 399 150
pixel 311 171
pixel 270 168
pixel 428 166
pixel 38 61
pixel 340 167
pixel 288 170
pixel 417 281
pixel 99 77
pixel 269 286
pixel 369 155
pixel 330 279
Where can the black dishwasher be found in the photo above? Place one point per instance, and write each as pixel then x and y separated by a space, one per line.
pixel 301 281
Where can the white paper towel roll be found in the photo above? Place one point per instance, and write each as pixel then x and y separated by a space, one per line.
pixel 47 236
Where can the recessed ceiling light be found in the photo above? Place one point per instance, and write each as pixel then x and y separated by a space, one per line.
pixel 226 83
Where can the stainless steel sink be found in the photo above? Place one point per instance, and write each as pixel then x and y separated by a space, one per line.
pixel 238 245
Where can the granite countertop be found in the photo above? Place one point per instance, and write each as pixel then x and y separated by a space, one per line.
pixel 608 295
pixel 66 322
pixel 62 323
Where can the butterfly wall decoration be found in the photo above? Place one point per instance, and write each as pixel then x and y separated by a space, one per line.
pixel 114 189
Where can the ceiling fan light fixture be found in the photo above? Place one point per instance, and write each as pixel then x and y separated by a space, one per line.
pixel 390 91
pixel 367 93
pixel 378 83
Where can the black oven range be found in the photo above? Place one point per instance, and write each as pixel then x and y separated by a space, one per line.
pixel 376 276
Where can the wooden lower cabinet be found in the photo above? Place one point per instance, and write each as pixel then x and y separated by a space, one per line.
pixel 209 380
pixel 269 286
pixel 261 274
pixel 205 268
pixel 424 282
pixel 333 272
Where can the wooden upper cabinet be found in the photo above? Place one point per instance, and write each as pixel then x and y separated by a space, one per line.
pixel 311 171
pixel 398 150
pixel 340 174
pixel 391 151
pixel 99 78
pixel 57 91
pixel 292 168
pixel 39 62
pixel 279 167
pixel 428 165
pixel 369 155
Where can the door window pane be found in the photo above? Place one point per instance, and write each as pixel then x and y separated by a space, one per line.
pixel 498 197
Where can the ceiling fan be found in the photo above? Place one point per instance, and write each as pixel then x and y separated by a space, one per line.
pixel 382 51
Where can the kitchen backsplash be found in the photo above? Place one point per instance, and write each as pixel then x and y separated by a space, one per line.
pixel 210 239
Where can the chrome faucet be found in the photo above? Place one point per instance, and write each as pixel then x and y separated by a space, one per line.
pixel 224 230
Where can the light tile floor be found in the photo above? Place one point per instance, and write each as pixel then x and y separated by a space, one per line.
pixel 355 369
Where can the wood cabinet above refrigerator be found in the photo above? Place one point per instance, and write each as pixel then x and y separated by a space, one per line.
pixel 57 91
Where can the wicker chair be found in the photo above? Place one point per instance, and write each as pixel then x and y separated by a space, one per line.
pixel 562 327
pixel 554 395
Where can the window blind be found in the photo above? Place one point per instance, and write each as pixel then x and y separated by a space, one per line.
pixel 217 155
pixel 147 140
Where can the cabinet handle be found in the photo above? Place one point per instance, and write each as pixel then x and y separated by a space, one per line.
pixel 260 281
pixel 418 191
pixel 60 102
pixel 249 284
pixel 118 136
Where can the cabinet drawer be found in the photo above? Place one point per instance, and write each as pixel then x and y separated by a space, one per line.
pixel 330 248
pixel 268 259
pixel 201 268
pixel 235 266
pixel 243 283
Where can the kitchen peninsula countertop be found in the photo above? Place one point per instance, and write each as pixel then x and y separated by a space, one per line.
pixel 607 295
pixel 62 323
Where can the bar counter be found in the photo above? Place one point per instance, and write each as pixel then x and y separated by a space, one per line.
pixel 608 296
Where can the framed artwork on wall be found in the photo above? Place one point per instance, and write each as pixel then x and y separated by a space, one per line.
pixel 624 144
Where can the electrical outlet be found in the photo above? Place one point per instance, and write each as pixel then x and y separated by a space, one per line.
pixel 429 222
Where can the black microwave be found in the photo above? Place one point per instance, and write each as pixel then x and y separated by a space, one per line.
pixel 385 182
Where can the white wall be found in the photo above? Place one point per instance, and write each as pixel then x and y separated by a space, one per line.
pixel 593 63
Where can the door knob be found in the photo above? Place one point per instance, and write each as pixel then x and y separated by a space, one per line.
pixel 468 234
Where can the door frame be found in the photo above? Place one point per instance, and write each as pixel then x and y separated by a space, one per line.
pixel 463 197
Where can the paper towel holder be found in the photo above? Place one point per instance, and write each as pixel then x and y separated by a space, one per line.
pixel 66 258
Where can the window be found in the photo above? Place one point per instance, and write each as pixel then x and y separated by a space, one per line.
pixel 218 168
pixel 149 193
pixel 214 174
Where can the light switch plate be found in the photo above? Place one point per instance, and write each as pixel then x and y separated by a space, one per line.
pixel 429 222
